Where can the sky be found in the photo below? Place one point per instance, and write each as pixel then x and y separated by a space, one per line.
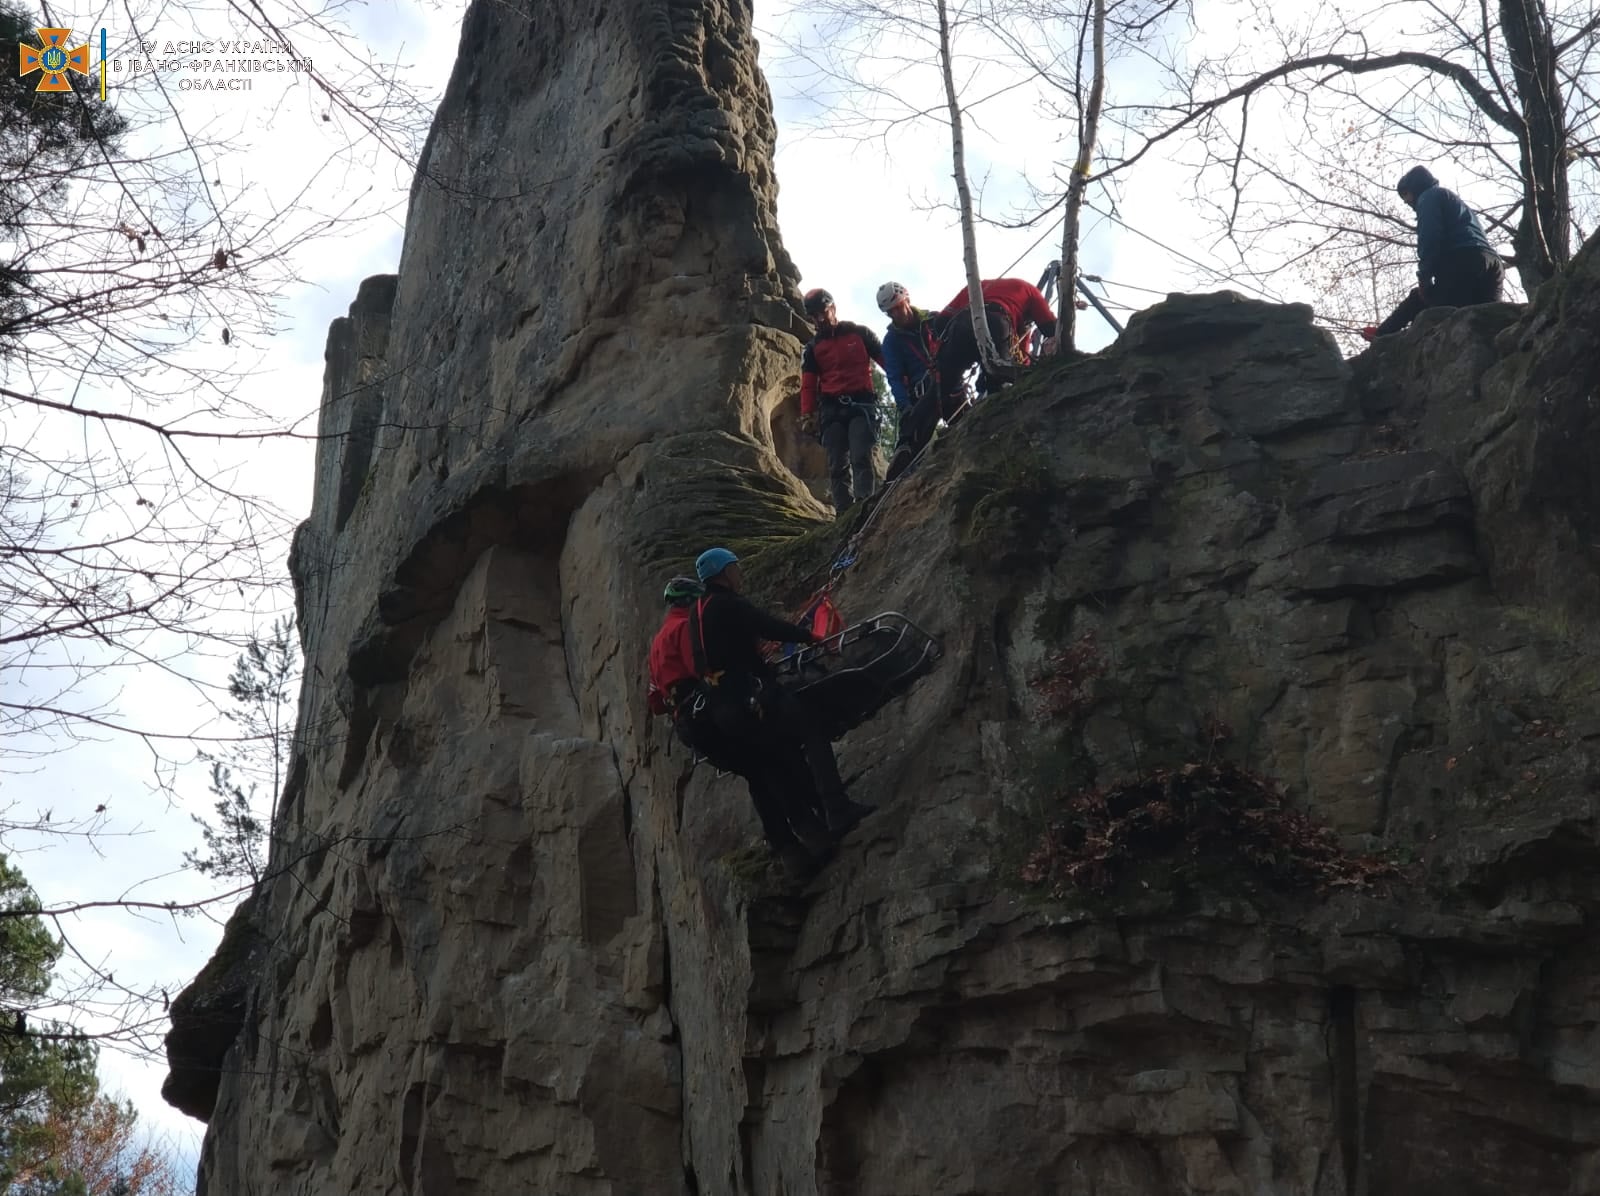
pixel 285 154
pixel 855 211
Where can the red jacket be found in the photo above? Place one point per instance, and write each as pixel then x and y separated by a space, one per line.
pixel 1022 301
pixel 671 660
pixel 838 362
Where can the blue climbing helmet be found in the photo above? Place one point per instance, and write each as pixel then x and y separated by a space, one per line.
pixel 712 562
pixel 682 590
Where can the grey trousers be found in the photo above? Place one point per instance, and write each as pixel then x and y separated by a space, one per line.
pixel 848 436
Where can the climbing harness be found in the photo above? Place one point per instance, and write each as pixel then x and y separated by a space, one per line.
pixel 871 407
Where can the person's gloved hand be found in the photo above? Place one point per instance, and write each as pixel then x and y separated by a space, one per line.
pixel 1369 332
pixel 808 423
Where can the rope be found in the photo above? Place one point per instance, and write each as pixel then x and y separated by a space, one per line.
pixel 1267 295
pixel 1006 273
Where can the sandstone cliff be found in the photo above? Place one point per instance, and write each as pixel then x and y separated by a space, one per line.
pixel 512 946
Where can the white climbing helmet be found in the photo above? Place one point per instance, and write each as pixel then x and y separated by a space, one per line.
pixel 891 293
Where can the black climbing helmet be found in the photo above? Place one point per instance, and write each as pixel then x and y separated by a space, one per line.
pixel 680 590
pixel 817 302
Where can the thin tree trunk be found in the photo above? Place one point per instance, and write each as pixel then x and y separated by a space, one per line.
pixel 1542 234
pixel 1088 134
pixel 988 355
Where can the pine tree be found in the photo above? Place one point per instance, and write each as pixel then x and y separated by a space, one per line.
pixel 46 142
pixel 46 1070
pixel 264 688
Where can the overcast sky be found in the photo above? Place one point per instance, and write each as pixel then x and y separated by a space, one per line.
pixel 853 214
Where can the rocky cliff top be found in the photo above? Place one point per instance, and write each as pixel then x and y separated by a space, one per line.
pixel 513 943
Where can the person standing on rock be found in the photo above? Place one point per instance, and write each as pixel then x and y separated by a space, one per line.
pixel 1456 267
pixel 1011 307
pixel 727 705
pixel 837 398
pixel 911 360
pixel 910 347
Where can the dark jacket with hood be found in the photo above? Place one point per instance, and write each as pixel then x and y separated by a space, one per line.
pixel 1444 223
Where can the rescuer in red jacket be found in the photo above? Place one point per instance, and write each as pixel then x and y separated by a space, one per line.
pixel 1011 307
pixel 837 398
pixel 708 673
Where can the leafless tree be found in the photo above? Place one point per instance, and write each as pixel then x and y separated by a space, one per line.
pixel 880 66
pixel 1054 58
pixel 1074 49
pixel 142 273
pixel 988 354
pixel 1502 97
pixel 1088 135
pixel 141 279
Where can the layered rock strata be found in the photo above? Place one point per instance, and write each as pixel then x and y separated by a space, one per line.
pixel 511 942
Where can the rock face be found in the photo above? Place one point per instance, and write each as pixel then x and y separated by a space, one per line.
pixel 512 944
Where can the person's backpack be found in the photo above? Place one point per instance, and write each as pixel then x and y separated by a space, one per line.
pixel 671 660
pixel 678 658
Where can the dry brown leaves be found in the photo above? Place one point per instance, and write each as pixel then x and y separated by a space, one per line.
pixel 1217 816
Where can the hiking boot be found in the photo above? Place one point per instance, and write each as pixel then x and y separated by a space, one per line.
pixel 845 815
pixel 898 464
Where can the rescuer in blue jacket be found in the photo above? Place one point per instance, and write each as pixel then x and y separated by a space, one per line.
pixel 1455 264
pixel 911 346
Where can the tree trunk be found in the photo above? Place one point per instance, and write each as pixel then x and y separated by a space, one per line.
pixel 988 354
pixel 1543 234
pixel 1088 134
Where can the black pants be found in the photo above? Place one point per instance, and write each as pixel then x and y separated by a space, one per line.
pixel 849 432
pixel 790 769
pixel 1462 278
pixel 958 352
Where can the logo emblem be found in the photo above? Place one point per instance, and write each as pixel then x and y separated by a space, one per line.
pixel 54 60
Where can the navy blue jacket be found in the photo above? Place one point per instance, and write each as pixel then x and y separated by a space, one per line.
pixel 909 355
pixel 1444 223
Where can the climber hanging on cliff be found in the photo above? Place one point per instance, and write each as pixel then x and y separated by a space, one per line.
pixel 1456 266
pixel 707 671
pixel 837 399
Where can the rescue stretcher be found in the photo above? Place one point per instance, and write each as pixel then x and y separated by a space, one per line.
pixel 854 673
